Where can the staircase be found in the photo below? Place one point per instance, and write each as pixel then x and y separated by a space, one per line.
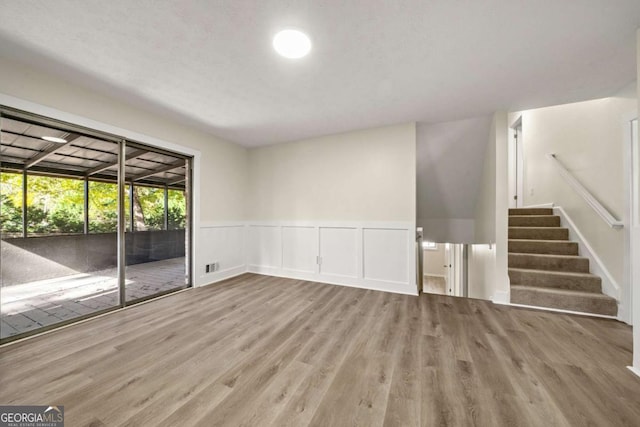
pixel 545 269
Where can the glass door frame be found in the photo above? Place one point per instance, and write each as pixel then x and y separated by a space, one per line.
pixel 10 112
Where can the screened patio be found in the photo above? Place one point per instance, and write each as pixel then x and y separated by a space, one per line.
pixel 89 222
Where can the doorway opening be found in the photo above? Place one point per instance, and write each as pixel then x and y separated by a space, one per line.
pixel 444 269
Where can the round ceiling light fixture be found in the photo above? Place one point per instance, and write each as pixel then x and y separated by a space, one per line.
pixel 292 44
pixel 54 139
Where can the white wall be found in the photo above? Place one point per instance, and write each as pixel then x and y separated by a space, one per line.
pixel 366 175
pixel 337 209
pixel 434 261
pixel 481 271
pixel 488 278
pixel 588 139
pixel 449 168
pixel 223 165
pixel 347 199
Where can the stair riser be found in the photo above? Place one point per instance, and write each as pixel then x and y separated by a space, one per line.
pixel 531 211
pixel 580 303
pixel 576 265
pixel 554 248
pixel 550 280
pixel 534 221
pixel 547 233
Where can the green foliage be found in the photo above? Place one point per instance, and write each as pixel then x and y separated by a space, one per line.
pixel 10 215
pixel 149 208
pixel 56 206
pixel 103 207
pixel 177 210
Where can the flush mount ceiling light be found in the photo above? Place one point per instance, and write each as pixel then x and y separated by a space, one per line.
pixel 54 139
pixel 292 44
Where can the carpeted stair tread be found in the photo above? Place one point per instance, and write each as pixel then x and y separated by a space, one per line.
pixel 585 302
pixel 539 233
pixel 531 246
pixel 585 282
pixel 534 221
pixel 548 262
pixel 531 211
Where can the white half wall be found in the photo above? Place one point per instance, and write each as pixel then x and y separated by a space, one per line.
pixel 336 209
pixel 378 256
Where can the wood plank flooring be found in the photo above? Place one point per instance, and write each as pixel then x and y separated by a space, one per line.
pixel 259 350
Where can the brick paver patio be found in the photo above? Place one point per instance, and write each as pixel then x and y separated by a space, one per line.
pixel 31 306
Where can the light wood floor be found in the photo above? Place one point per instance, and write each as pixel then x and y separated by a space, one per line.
pixel 259 350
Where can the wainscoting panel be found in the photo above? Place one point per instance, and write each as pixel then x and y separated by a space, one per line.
pixel 376 256
pixel 339 252
pixel 299 249
pixel 266 246
pixel 225 245
pixel 386 255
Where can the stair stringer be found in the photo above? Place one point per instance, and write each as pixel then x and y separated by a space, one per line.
pixel 610 286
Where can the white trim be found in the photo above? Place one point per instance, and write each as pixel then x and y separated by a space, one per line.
pixel 218 276
pixel 387 225
pixel 501 297
pixel 585 194
pixel 634 370
pixel 435 275
pixel 349 282
pixel 631 243
pixel 609 285
pixel 559 310
pixel 32 107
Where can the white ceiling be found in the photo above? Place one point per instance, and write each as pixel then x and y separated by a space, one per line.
pixel 374 62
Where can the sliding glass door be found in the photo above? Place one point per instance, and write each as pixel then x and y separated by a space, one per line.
pixel 56 266
pixel 156 235
pixel 71 245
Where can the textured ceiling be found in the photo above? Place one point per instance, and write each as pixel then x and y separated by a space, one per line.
pixel 374 62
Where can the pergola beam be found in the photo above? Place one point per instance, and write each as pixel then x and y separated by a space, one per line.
pixel 130 156
pixel 177 181
pixel 51 151
pixel 169 167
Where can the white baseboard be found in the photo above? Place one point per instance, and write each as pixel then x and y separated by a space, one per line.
pixel 609 285
pixel 352 282
pixel 218 276
pixel 501 297
pixel 634 370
